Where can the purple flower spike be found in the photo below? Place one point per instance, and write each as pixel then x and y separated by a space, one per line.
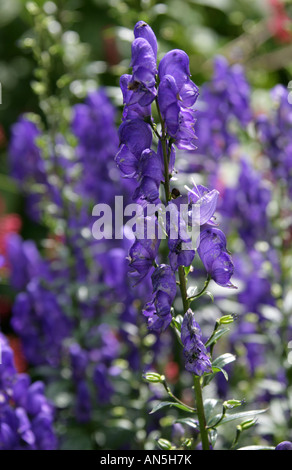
pixel 195 353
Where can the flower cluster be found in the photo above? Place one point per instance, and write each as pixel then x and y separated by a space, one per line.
pixel 224 100
pixel 275 133
pixel 175 95
pixel 247 202
pixel 26 415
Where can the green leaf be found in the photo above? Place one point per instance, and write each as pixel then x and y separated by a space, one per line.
pixel 217 366
pixel 170 404
pixel 218 333
pixel 193 423
pixel 211 406
pixel 223 360
pixel 233 416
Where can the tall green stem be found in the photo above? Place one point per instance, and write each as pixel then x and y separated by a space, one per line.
pixel 165 155
pixel 201 413
pixel 197 380
pixel 183 288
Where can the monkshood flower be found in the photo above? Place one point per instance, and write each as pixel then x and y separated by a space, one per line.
pixel 135 137
pixel 24 261
pixel 83 405
pixel 176 96
pixel 275 133
pixel 79 361
pixel 25 158
pixel 95 148
pixel 225 99
pixel 134 110
pixel 26 415
pixel 195 353
pixel 40 323
pixel 143 63
pixel 216 260
pixel 246 204
pixel 142 255
pixel 104 387
pixel 203 203
pixel 192 211
pixel 149 178
pixel 256 291
pixel 158 310
pixel 181 250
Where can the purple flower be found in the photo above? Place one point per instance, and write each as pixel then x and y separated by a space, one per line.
pixel 26 162
pixel 195 353
pixel 26 416
pixel 93 124
pixel 213 253
pixel 40 323
pixel 79 361
pixel 24 261
pixel 285 445
pixel 203 203
pixel 143 63
pixel 223 101
pixel 274 132
pixel 176 96
pixel 134 110
pixel 143 30
pixel 158 310
pixel 142 255
pixel 83 407
pixel 135 136
pixel 102 383
pixel 247 204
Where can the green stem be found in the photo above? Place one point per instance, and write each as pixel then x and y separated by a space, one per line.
pixel 183 287
pixel 201 413
pixel 202 291
pixel 175 398
pixel 165 154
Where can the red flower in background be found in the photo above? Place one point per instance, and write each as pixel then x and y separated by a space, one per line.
pixel 9 223
pixel 280 24
pixel 19 359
